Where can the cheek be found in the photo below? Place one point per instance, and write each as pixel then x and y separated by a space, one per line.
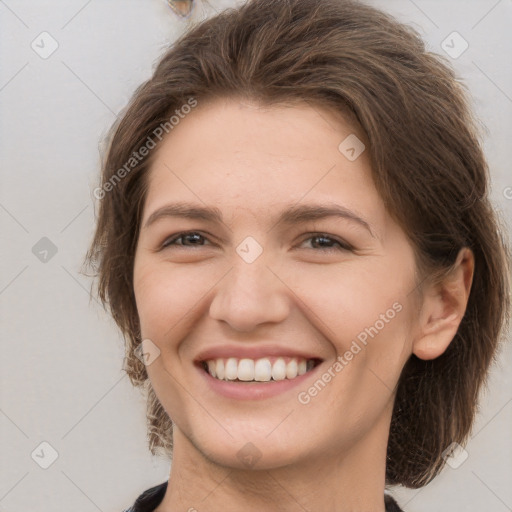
pixel 347 299
pixel 365 313
pixel 167 296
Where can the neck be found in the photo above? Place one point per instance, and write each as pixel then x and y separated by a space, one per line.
pixel 349 481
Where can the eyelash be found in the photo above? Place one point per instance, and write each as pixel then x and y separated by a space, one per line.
pixel 343 246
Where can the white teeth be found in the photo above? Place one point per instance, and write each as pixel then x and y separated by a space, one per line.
pixel 291 369
pixel 246 369
pixel 260 370
pixel 279 369
pixel 219 369
pixel 211 368
pixel 231 369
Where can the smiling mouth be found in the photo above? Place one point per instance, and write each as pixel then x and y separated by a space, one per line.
pixel 265 369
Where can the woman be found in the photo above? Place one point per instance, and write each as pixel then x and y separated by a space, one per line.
pixel 296 240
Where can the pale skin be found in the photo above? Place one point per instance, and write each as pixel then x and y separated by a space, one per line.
pixel 303 290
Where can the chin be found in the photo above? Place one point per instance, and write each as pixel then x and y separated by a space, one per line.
pixel 250 451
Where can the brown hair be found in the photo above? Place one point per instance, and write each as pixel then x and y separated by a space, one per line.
pixel 427 163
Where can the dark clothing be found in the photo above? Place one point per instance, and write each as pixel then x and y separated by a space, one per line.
pixel 151 498
pixel 391 504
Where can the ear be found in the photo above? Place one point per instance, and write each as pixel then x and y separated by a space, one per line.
pixel 443 308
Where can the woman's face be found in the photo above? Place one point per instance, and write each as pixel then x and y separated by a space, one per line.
pixel 266 280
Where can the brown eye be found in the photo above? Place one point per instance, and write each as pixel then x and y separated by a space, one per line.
pixel 188 239
pixel 181 7
pixel 327 243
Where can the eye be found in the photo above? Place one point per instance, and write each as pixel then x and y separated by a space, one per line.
pixel 318 241
pixel 193 237
pixel 327 243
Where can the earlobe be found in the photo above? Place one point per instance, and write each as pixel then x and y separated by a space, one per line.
pixel 444 306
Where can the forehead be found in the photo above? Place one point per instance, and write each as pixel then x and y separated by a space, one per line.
pixel 236 153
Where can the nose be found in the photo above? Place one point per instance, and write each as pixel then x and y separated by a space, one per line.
pixel 249 295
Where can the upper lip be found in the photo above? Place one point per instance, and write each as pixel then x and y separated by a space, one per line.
pixel 241 352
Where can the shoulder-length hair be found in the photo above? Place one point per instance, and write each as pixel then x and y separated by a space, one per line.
pixel 427 164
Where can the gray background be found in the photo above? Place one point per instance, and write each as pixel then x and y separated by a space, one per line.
pixel 61 378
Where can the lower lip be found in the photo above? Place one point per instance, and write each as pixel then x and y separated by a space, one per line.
pixel 254 390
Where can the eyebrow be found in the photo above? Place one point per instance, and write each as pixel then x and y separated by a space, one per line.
pixel 294 214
